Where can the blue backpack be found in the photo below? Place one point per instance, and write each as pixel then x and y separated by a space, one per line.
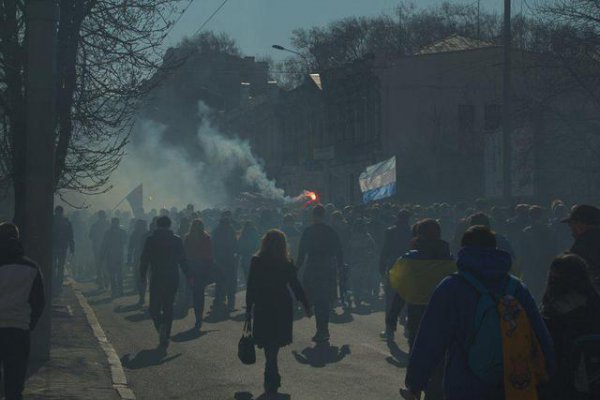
pixel 484 345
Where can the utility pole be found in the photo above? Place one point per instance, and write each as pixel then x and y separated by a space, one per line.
pixel 41 41
pixel 507 105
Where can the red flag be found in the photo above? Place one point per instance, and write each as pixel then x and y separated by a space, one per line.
pixel 136 201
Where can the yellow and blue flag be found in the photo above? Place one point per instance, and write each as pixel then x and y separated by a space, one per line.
pixel 416 279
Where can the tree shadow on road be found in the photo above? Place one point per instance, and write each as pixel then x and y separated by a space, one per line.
pixel 264 396
pixel 189 335
pixel 398 358
pixel 147 358
pixel 321 354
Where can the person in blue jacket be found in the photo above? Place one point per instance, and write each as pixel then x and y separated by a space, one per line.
pixel 446 325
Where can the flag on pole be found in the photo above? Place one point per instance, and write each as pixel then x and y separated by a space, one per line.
pixel 136 201
pixel 378 181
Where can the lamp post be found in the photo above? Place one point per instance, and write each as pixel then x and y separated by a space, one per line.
pixel 281 48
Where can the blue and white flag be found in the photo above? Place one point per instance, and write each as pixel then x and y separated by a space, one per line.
pixel 378 181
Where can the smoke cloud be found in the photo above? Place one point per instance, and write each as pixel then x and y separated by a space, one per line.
pixel 173 177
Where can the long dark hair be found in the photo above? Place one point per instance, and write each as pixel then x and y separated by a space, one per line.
pixel 274 247
pixel 569 274
pixel 196 229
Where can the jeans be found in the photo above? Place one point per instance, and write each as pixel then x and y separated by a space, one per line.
pixel 226 286
pixel 322 310
pixel 116 280
pixel 58 276
pixel 162 297
pixel 14 354
pixel 393 307
pixel 198 299
pixel 272 377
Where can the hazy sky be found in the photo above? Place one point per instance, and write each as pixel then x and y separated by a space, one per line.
pixel 257 24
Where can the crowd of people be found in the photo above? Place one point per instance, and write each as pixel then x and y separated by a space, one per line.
pixel 463 255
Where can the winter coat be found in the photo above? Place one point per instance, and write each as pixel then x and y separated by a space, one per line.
pixel 446 326
pixel 163 255
pixel 361 256
pixel 268 298
pixel 321 248
pixel 587 246
pixel 199 257
pixel 395 244
pixel 112 252
pixel 567 319
pixel 63 235
pixel 225 246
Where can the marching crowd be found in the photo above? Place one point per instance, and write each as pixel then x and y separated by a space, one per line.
pixel 494 300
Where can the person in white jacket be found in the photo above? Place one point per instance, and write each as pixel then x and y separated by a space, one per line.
pixel 21 304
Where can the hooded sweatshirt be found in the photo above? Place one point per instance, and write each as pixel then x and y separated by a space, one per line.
pixel 446 326
pixel 21 288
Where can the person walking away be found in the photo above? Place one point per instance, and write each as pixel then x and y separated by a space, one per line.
pixel 134 252
pixel 21 305
pixel 321 249
pixel 395 244
pixel 447 330
pixel 269 303
pixel 113 255
pixel 225 249
pixel 428 262
pixel 571 306
pixel 96 235
pixel 361 255
pixel 199 255
pixel 584 222
pixel 540 243
pixel 163 255
pixel 248 244
pixel 62 242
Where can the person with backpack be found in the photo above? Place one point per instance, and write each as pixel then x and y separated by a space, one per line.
pixel 476 319
pixel 571 306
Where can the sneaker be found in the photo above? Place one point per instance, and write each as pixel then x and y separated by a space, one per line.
pixel 321 337
pixel 387 334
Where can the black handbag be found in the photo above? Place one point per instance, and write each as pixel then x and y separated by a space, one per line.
pixel 246 350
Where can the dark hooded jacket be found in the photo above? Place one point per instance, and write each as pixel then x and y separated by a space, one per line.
pixel 587 246
pixel 446 326
pixel 163 254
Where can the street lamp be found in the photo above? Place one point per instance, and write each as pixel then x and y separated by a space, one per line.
pixel 281 48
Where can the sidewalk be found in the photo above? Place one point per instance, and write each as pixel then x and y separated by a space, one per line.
pixel 78 368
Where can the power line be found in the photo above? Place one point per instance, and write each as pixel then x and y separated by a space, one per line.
pixel 211 17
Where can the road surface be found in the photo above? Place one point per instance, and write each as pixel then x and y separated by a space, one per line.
pixel 356 365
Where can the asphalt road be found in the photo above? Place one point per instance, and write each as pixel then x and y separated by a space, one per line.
pixel 356 365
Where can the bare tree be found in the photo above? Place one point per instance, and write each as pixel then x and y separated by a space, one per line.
pixel 107 49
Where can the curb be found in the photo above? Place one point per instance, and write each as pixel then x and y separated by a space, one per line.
pixel 117 373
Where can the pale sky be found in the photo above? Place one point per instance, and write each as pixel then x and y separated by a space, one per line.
pixel 258 24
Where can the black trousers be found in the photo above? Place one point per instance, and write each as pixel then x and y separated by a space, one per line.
pixel 59 257
pixel 226 286
pixel 272 377
pixel 322 310
pixel 393 308
pixel 14 355
pixel 115 273
pixel 162 297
